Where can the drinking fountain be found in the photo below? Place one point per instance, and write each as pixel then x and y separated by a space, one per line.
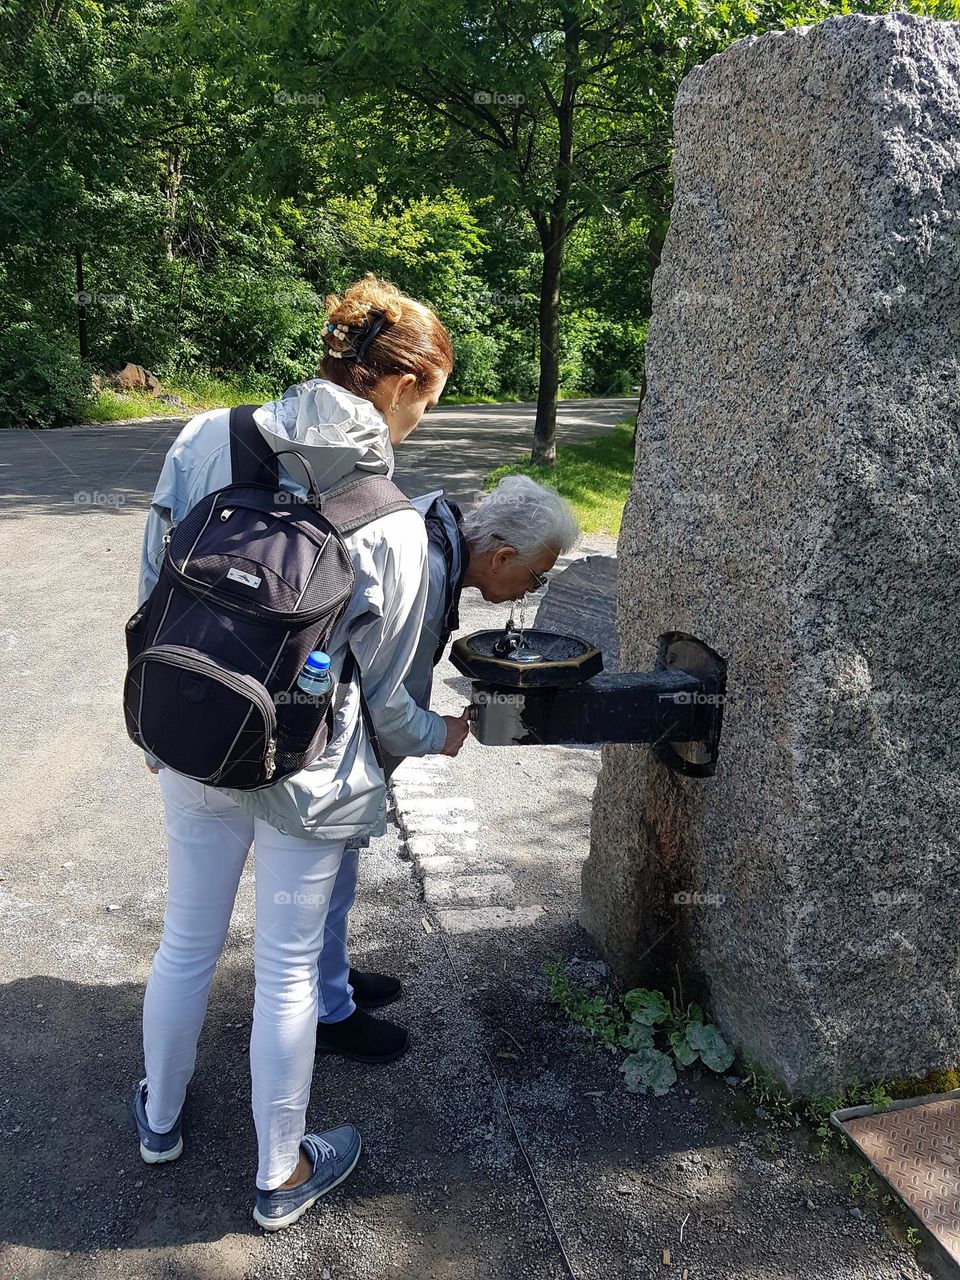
pixel 545 688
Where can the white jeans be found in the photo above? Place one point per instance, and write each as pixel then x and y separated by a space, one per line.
pixel 208 839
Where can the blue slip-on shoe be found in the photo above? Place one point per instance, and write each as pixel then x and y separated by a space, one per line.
pixel 334 1155
pixel 155 1148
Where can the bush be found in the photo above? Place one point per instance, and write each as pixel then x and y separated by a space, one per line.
pixel 518 371
pixel 475 370
pixel 604 357
pixel 43 383
pixel 243 322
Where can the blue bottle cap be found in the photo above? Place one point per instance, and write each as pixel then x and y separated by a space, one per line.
pixel 317 661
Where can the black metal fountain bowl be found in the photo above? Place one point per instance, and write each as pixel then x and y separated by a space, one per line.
pixel 541 660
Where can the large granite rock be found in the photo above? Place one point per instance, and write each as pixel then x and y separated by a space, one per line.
pixel 796 502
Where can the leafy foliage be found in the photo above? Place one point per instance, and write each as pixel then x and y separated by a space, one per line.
pixel 214 168
pixel 688 1038
pixel 634 1022
pixel 599 1016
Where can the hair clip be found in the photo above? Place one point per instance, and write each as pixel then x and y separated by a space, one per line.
pixel 357 352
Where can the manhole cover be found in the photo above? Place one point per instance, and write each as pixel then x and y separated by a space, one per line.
pixel 915 1147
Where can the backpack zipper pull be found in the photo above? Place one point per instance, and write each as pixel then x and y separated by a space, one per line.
pixel 226 513
pixel 270 758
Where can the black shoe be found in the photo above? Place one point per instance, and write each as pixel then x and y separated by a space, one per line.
pixel 373 990
pixel 363 1038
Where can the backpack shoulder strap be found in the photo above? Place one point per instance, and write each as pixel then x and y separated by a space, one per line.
pixel 252 461
pixel 361 501
pixel 437 535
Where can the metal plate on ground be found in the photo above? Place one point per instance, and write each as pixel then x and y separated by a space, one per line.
pixel 915 1147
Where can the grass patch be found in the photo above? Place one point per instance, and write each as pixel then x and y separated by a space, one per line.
pixel 594 477
pixel 198 391
pixel 600 1017
pixel 108 405
pixel 456 399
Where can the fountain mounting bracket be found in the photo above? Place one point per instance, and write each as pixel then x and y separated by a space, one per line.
pixel 676 709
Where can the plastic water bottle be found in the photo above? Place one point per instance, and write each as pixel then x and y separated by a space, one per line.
pixel 315 677
pixel 301 713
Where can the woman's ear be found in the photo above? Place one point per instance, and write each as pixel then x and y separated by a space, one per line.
pixel 502 558
pixel 405 383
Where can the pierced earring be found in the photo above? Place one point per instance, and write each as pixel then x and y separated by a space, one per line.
pixel 394 408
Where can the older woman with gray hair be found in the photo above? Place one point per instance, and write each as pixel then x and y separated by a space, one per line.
pixel 504 547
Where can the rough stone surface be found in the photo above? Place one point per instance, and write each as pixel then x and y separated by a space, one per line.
pixel 579 600
pixel 796 502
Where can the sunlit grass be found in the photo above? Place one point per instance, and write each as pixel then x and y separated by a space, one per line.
pixel 511 398
pixel 198 391
pixel 594 477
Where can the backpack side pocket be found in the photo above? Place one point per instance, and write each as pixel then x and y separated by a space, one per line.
pixel 135 632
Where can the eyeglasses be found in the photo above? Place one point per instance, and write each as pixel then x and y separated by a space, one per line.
pixel 539 578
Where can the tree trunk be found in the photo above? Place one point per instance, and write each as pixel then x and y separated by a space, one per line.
pixel 81 306
pixel 172 193
pixel 544 452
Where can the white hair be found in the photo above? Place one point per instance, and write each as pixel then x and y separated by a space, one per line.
pixel 522 514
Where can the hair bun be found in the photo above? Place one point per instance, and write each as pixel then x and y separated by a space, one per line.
pixel 353 308
pixel 401 335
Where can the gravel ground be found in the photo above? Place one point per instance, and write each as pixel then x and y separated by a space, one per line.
pixel 498 1147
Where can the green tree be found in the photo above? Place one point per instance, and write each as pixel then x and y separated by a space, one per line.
pixel 559 109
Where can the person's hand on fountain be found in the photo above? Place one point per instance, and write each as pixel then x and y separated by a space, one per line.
pixel 458 727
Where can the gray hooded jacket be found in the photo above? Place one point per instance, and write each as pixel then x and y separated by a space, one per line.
pixel 342 794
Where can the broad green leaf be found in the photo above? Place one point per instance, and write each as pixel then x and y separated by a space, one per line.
pixel 682 1049
pixel 649 1069
pixel 639 1036
pixel 714 1051
pixel 646 1006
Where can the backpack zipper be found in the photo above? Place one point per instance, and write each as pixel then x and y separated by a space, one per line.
pixel 271 618
pixel 176 655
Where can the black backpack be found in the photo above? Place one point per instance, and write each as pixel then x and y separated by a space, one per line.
pixel 253 579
